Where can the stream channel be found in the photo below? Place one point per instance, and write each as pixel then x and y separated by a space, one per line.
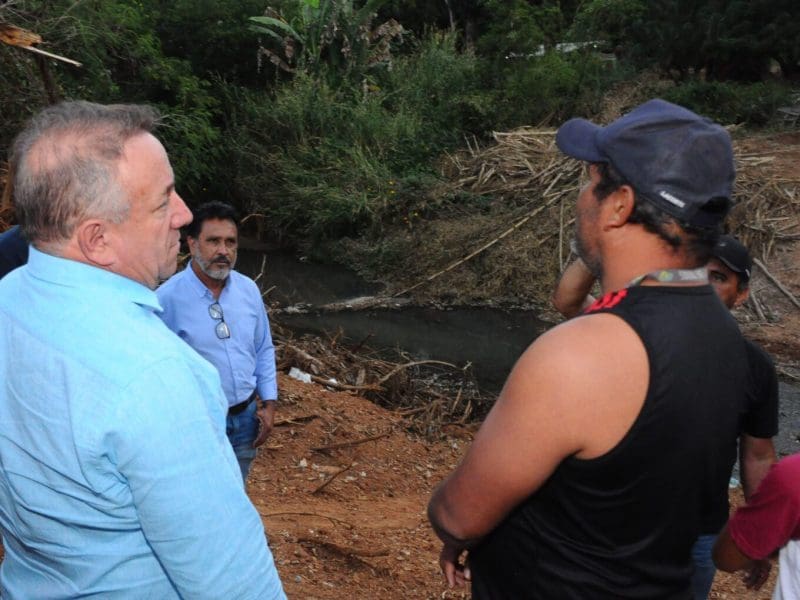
pixel 490 339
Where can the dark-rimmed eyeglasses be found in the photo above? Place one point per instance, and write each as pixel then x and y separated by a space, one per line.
pixel 221 328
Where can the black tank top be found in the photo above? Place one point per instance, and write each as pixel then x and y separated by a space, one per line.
pixel 622 525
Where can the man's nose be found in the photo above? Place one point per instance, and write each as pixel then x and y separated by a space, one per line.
pixel 181 214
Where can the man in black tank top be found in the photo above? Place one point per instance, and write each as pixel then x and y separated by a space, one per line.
pixel 590 473
pixel 729 273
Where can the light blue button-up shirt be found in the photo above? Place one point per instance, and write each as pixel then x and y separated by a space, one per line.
pixel 116 477
pixel 245 360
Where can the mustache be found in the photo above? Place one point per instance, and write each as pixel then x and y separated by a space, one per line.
pixel 221 260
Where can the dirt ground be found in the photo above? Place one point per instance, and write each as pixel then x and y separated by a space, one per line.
pixel 342 489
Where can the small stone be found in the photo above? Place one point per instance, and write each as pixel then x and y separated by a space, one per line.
pixel 298 579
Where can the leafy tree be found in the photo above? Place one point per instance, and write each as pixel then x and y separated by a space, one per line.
pixel 421 16
pixel 725 39
pixel 611 21
pixel 753 32
pixel 213 36
pixel 514 30
pixel 123 61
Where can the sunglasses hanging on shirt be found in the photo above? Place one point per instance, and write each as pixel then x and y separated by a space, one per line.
pixel 221 328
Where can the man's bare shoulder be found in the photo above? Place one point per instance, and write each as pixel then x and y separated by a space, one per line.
pixel 593 339
pixel 574 392
pixel 591 372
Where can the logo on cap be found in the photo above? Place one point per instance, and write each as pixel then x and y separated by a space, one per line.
pixel 670 198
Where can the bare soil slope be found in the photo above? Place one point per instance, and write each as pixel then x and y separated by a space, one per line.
pixel 342 489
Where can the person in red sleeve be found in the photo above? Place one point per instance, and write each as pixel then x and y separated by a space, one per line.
pixel 769 522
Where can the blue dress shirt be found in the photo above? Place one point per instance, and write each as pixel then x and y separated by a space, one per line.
pixel 116 477
pixel 245 360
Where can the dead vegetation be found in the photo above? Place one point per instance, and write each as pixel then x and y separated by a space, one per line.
pixel 431 395
pixel 532 187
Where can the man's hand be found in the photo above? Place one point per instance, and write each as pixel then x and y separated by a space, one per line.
pixel 266 419
pixel 455 571
pixel 573 291
pixel 756 576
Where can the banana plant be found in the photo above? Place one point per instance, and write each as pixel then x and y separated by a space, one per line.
pixel 335 33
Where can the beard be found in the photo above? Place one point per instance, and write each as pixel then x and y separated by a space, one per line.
pixel 590 259
pixel 217 268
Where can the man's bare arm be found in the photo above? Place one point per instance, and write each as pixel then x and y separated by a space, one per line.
pixel 572 294
pixel 563 398
pixel 756 456
pixel 728 557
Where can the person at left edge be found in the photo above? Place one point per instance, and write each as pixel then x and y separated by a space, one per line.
pixel 116 478
pixel 13 250
pixel 220 313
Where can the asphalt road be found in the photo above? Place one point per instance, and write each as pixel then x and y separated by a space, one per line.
pixel 787 441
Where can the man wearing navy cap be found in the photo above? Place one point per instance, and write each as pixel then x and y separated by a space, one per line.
pixel 729 273
pixel 614 430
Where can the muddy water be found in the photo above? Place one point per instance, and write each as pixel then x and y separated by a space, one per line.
pixel 490 339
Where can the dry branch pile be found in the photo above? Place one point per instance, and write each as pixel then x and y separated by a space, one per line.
pixel 768 196
pixel 519 248
pixel 433 394
pixel 525 166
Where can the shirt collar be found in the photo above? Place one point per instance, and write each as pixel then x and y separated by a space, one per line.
pixel 73 273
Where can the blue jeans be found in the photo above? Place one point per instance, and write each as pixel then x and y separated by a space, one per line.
pixel 704 569
pixel 242 430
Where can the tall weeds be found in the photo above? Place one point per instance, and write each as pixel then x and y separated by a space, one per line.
pixel 328 162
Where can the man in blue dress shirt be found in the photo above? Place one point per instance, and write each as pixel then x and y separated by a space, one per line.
pixel 116 478
pixel 220 313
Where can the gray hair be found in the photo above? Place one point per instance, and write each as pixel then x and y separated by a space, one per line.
pixel 65 163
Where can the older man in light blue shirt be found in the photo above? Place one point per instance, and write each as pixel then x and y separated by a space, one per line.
pixel 116 478
pixel 220 313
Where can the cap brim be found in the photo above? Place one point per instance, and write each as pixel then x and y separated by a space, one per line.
pixel 578 138
pixel 729 264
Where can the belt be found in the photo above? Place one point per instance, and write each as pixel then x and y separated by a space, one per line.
pixel 242 406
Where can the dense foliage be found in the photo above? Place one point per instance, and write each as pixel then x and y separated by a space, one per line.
pixel 331 116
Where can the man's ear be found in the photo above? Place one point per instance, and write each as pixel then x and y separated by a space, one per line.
pixel 94 240
pixel 192 243
pixel 619 206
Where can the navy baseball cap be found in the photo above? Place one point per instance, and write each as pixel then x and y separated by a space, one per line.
pixel 735 256
pixel 674 158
